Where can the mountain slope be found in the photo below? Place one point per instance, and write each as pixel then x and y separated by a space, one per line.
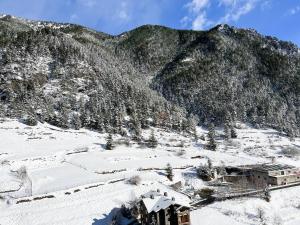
pixel 69 76
pixel 72 76
pixel 236 74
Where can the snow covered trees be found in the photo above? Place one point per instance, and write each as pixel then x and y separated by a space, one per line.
pixel 229 129
pixel 211 145
pixel 109 143
pixel 205 173
pixel 103 86
pixel 152 142
pixel 29 120
pixel 169 172
pixel 233 133
pixel 227 132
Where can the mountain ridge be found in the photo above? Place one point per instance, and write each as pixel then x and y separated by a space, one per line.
pixel 73 76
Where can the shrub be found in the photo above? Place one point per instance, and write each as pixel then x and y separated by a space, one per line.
pixel 169 172
pixel 206 193
pixel 290 151
pixel 152 142
pixel 109 143
pixel 181 152
pixel 205 173
pixel 135 180
pixel 29 120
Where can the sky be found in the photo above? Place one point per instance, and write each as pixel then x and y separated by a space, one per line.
pixel 280 18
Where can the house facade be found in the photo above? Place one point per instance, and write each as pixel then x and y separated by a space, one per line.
pixel 274 174
pixel 262 175
pixel 159 209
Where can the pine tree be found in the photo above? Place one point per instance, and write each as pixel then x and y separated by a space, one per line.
pixel 137 130
pixel 76 122
pixel 291 133
pixel 212 145
pixel 109 143
pixel 195 134
pixel 233 133
pixel 227 131
pixel 209 164
pixel 152 142
pixel 169 172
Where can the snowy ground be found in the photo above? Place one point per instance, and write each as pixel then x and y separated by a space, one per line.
pixel 85 183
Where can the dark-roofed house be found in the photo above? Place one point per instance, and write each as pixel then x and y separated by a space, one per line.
pixel 274 174
pixel 160 209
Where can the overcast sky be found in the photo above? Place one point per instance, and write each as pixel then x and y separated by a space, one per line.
pixel 280 18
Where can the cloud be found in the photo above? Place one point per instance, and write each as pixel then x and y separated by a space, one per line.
pixel 265 5
pixel 237 10
pixel 197 5
pixel 197 14
pixel 294 10
pixel 88 3
pixel 73 18
pixel 200 22
pixel 122 12
pixel 227 2
pixel 231 11
pixel 185 21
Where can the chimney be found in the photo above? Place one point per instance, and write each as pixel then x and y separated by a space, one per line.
pixel 152 196
pixel 166 194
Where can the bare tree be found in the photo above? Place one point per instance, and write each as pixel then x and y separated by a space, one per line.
pixel 261 216
pixel 22 175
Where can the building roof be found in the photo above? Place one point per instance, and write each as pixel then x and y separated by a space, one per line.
pixel 272 167
pixel 155 201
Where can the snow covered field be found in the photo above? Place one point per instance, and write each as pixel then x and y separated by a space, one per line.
pixel 84 182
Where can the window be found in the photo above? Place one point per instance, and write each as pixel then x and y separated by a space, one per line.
pixel 282 172
pixel 258 176
pixel 184 219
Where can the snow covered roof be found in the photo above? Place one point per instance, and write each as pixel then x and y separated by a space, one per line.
pixel 155 201
pixel 272 167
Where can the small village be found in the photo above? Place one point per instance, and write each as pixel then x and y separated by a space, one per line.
pixel 157 208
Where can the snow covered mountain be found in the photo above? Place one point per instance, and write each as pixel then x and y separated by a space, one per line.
pixel 71 76
pixel 66 91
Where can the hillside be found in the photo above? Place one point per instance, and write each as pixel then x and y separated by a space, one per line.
pixel 72 178
pixel 73 77
pixel 234 74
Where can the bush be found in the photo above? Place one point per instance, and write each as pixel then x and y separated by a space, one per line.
pixel 290 151
pixel 169 172
pixel 206 193
pixel 29 120
pixel 135 180
pixel 109 143
pixel 181 152
pixel 205 173
pixel 152 142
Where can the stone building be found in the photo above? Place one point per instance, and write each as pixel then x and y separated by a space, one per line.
pixel 274 174
pixel 262 175
pixel 160 209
